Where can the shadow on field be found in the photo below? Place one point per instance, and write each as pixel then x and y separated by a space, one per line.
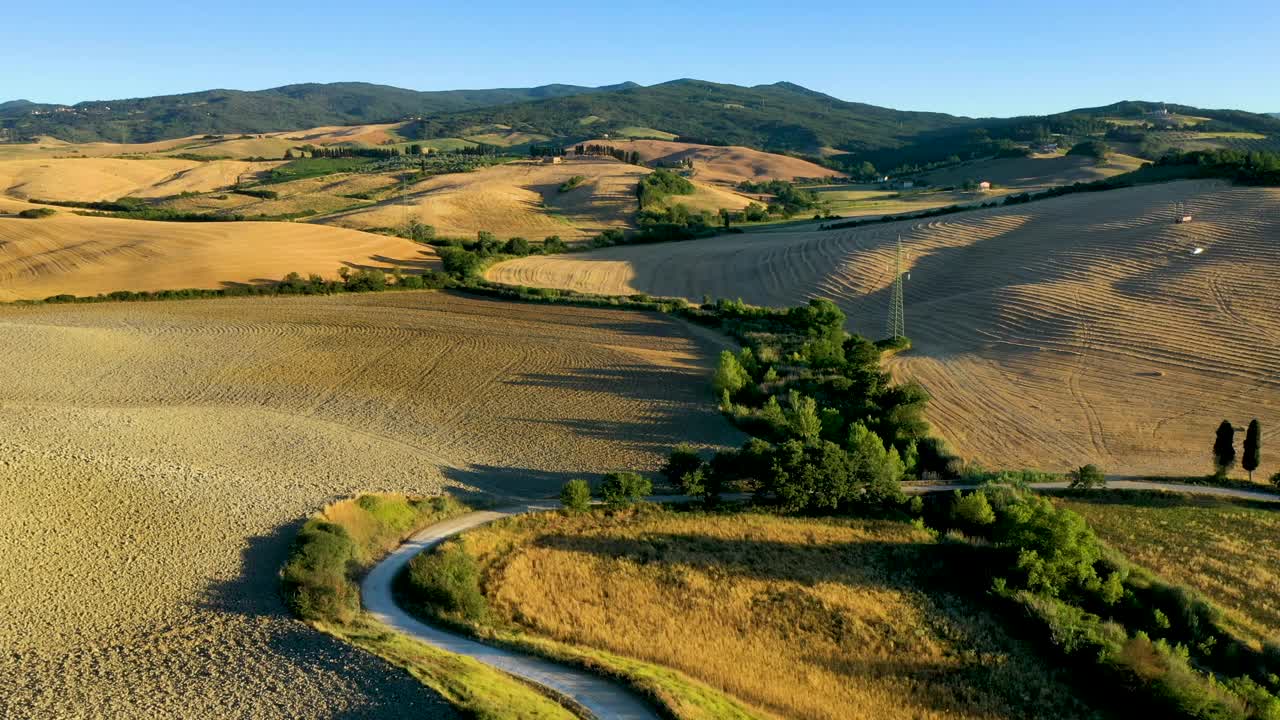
pixel 370 688
pixel 498 484
pixel 675 412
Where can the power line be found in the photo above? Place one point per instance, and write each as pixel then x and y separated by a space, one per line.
pixel 895 328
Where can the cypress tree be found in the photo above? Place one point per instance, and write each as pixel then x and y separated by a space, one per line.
pixel 1252 448
pixel 1224 449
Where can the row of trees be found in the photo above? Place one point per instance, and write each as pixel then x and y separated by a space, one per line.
pixel 1224 450
pixel 625 156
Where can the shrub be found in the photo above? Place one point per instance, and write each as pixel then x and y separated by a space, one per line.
pixel 972 511
pixel 315 580
pixel 37 213
pixel 1086 477
pixel 622 489
pixel 575 495
pixel 460 263
pixel 448 580
pixel 1275 479
pixel 572 183
pixel 419 231
pixel 730 376
pixel 365 281
pixel 516 246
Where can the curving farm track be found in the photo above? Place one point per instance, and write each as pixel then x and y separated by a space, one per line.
pixel 1072 330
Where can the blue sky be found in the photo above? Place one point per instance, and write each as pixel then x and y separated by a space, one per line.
pixel 975 58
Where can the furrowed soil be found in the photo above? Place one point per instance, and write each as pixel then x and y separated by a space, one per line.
pixel 797 618
pixel 79 255
pixel 156 459
pixel 1079 329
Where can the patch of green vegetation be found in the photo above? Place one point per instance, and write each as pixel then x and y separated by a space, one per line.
pixel 1221 547
pixel 643 133
pixel 302 168
pixel 659 185
pixel 572 183
pixel 36 213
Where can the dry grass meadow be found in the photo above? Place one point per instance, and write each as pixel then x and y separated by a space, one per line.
pixel 796 618
pixel 1072 330
pixel 1224 549
pixel 155 466
pixel 78 255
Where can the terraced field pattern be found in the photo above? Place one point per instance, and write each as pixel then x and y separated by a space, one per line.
pixel 1086 328
pixel 156 457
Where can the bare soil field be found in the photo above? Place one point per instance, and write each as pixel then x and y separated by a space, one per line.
pixel 81 255
pixel 515 199
pixel 1078 329
pixel 154 457
pixel 723 165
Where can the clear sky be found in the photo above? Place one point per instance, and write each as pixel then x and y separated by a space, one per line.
pixel 967 58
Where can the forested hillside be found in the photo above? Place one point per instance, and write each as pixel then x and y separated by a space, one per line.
pixel 235 111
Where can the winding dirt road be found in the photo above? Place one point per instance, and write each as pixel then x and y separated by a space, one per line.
pixel 605 699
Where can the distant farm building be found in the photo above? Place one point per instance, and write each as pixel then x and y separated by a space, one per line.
pixel 552 160
pixel 984 186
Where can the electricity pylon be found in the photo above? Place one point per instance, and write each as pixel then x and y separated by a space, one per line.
pixel 895 328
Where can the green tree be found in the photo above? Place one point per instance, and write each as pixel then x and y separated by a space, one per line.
pixel 730 376
pixel 1224 449
pixel 972 511
pixel 682 461
pixel 802 418
pixel 1086 477
pixel 1252 457
pixel 725 217
pixel 419 231
pixel 516 246
pixel 623 489
pixel 575 495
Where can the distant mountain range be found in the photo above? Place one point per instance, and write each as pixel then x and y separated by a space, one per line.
pixel 781 117
pixel 290 107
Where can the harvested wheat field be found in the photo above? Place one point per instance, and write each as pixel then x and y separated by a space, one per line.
pixel 92 179
pixel 78 255
pixel 1078 329
pixel 515 199
pixel 153 466
pixel 1036 172
pixel 797 618
pixel 724 165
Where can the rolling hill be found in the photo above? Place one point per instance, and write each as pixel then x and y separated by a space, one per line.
pixel 237 111
pixel 72 254
pixel 1081 329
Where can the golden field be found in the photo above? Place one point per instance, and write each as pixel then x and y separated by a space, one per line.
pixel 796 618
pixel 728 165
pixel 1223 549
pixel 72 254
pixel 1072 330
pixel 155 464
